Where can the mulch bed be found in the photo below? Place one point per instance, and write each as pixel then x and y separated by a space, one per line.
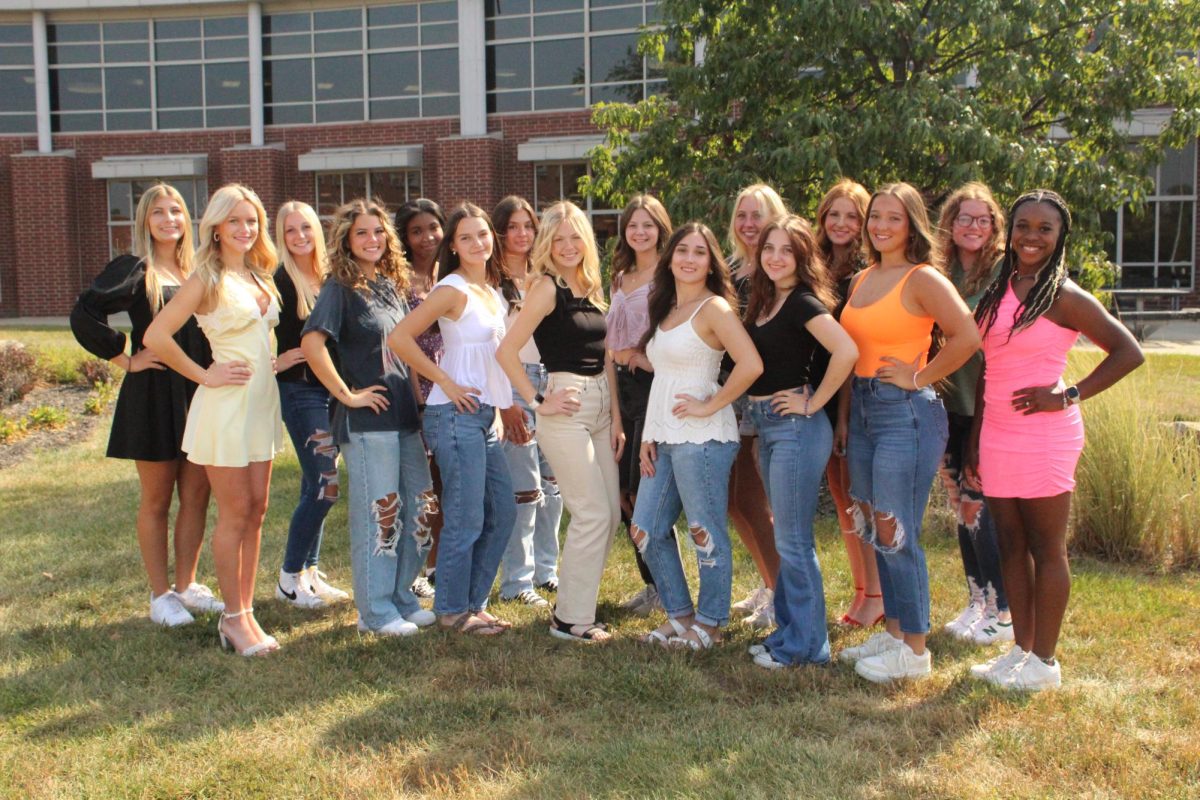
pixel 79 426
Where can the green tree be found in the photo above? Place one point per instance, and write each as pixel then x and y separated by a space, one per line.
pixel 1017 93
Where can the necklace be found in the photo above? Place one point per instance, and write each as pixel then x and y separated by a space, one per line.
pixel 1016 278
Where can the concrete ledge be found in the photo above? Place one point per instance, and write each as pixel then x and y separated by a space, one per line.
pixel 349 158
pixel 191 165
pixel 558 148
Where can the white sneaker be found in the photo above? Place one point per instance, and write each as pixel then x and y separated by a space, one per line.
pixel 316 581
pixel 167 609
pixel 991 630
pixel 993 669
pixel 422 618
pixel 397 627
pixel 199 597
pixel 529 597
pixel 966 619
pixel 767 661
pixel 422 588
pixel 764 615
pixel 292 588
pixel 1033 675
pixel 750 603
pixel 898 663
pixel 878 643
pixel 644 602
pixel 755 649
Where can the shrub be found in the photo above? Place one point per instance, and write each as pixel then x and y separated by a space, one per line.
pixel 10 429
pixel 46 417
pixel 18 371
pixel 102 394
pixel 95 371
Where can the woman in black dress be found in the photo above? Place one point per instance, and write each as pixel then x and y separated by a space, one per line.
pixel 152 406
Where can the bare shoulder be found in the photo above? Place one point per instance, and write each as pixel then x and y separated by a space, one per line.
pixel 930 277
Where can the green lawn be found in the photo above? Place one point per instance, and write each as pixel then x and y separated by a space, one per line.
pixel 97 702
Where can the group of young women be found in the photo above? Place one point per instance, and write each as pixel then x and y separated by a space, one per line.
pixel 845 348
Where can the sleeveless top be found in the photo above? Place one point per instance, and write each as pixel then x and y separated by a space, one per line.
pixel 684 364
pixel 571 337
pixel 628 317
pixel 470 342
pixel 886 328
pixel 529 351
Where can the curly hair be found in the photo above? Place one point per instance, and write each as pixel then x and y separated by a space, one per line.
pixel 989 254
pixel 342 264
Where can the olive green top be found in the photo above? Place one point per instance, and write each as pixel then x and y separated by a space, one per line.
pixel 959 393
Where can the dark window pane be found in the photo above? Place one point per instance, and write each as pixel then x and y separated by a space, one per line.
pixel 17 89
pixel 391 15
pixel 228 84
pixel 557 5
pixel 1179 172
pixel 333 20
pixel 226 48
pixel 558 63
pixel 1177 276
pixel 612 3
pixel 185 50
pixel 120 204
pixel 286 23
pixel 557 24
pixel 193 118
pixel 287 45
pixel 1137 277
pixel 620 93
pixel 225 26
pixel 500 102
pixel 381 38
pixel 1108 224
pixel 74 32
pixel 126 31
pixel 288 115
pixel 339 78
pixel 120 240
pixel 605 227
pixel 329 193
pixel 72 123
pixel 179 86
pixel 127 87
pixel 176 28
pixel 508 66
pixel 1176 223
pixel 439 34
pixel 547 185
pixel 354 184
pixel 16 55
pixel 516 28
pixel 616 18
pixel 1139 235
pixel 338 41
pixel 393 74
pixel 439 71
pixel 340 112
pixel 74 54
pixel 615 58
pixel 545 99
pixel 226 118
pixel 499 8
pixel 439 12
pixel 16 34
pixel 656 88
pixel 390 187
pixel 129 51
pixel 395 109
pixel 128 120
pixel 440 106
pixel 75 90
pixel 18 123
pixel 571 175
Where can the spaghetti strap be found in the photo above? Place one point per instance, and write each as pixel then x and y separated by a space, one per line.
pixel 697 311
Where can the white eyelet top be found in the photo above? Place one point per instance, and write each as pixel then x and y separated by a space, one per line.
pixel 470 347
pixel 685 364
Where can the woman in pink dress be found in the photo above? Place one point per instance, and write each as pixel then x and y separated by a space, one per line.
pixel 1027 440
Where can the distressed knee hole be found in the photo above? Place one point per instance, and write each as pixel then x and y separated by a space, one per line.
pixel 969 512
pixel 859 520
pixel 705 546
pixel 322 444
pixel 385 512
pixel 427 511
pixel 639 537
pixel 889 533
pixel 530 497
pixel 328 487
pixel 950 484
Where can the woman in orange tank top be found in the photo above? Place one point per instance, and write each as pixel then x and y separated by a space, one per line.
pixel 896 423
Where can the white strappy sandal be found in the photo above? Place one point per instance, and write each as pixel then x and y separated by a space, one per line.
pixel 661 639
pixel 267 645
pixel 703 640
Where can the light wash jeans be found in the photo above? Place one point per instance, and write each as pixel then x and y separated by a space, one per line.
pixel 792 453
pixel 306 417
pixel 391 499
pixel 694 478
pixel 897 439
pixel 477 505
pixel 531 557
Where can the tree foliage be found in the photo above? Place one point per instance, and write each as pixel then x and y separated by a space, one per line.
pixel 1017 93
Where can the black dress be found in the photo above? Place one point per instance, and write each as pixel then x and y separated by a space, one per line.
pixel 152 406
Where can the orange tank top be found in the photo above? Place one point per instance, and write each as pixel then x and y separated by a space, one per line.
pixel 886 328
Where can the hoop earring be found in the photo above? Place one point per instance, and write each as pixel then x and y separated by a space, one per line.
pixel 216 237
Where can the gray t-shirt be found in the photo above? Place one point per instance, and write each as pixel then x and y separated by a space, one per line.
pixel 358 323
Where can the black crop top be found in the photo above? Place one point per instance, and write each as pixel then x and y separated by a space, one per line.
pixel 791 356
pixel 571 337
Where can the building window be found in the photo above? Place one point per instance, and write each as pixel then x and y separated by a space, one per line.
pixel 1156 247
pixel 117 76
pixel 18 113
pixel 560 181
pixel 392 187
pixel 557 54
pixel 347 65
pixel 123 197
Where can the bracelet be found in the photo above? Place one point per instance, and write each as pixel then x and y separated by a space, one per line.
pixel 916 386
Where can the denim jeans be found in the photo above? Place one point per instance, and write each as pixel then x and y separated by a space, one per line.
pixel 694 478
pixel 977 542
pixel 792 453
pixel 897 439
pixel 531 556
pixel 477 505
pixel 306 415
pixel 633 395
pixel 391 497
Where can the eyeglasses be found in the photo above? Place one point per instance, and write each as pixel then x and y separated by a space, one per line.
pixel 966 221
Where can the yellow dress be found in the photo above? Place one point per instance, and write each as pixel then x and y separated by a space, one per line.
pixel 234 425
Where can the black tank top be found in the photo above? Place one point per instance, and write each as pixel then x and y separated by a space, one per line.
pixel 571 337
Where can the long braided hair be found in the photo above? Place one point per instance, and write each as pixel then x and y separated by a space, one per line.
pixel 1050 277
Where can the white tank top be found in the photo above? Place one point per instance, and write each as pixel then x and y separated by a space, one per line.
pixel 684 364
pixel 470 347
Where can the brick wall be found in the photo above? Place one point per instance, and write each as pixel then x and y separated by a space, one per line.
pixel 45 243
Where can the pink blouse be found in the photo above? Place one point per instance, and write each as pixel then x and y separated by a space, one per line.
pixel 628 317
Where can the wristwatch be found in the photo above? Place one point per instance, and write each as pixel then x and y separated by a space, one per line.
pixel 1071 396
pixel 538 399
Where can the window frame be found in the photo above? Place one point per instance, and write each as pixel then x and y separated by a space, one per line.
pixel 408 172
pixel 196 204
pixel 1153 206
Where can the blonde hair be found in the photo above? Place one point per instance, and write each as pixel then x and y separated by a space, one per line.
pixel 261 259
pixel 143 242
pixel 857 194
pixel 773 208
pixel 305 297
pixel 589 270
pixel 992 249
pixel 343 267
pixel 921 247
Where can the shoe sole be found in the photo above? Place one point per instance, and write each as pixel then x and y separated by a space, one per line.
pixel 566 637
pixel 875 677
pixel 307 606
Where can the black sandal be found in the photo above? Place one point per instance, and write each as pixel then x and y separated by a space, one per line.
pixel 565 630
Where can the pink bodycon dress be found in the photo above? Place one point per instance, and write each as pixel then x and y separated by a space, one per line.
pixel 1026 456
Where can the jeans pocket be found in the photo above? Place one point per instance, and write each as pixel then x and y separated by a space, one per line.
pixel 890 393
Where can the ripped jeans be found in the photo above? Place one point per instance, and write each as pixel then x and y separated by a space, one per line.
pixel 977 542
pixel 694 478
pixel 391 500
pixel 306 415
pixel 897 439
